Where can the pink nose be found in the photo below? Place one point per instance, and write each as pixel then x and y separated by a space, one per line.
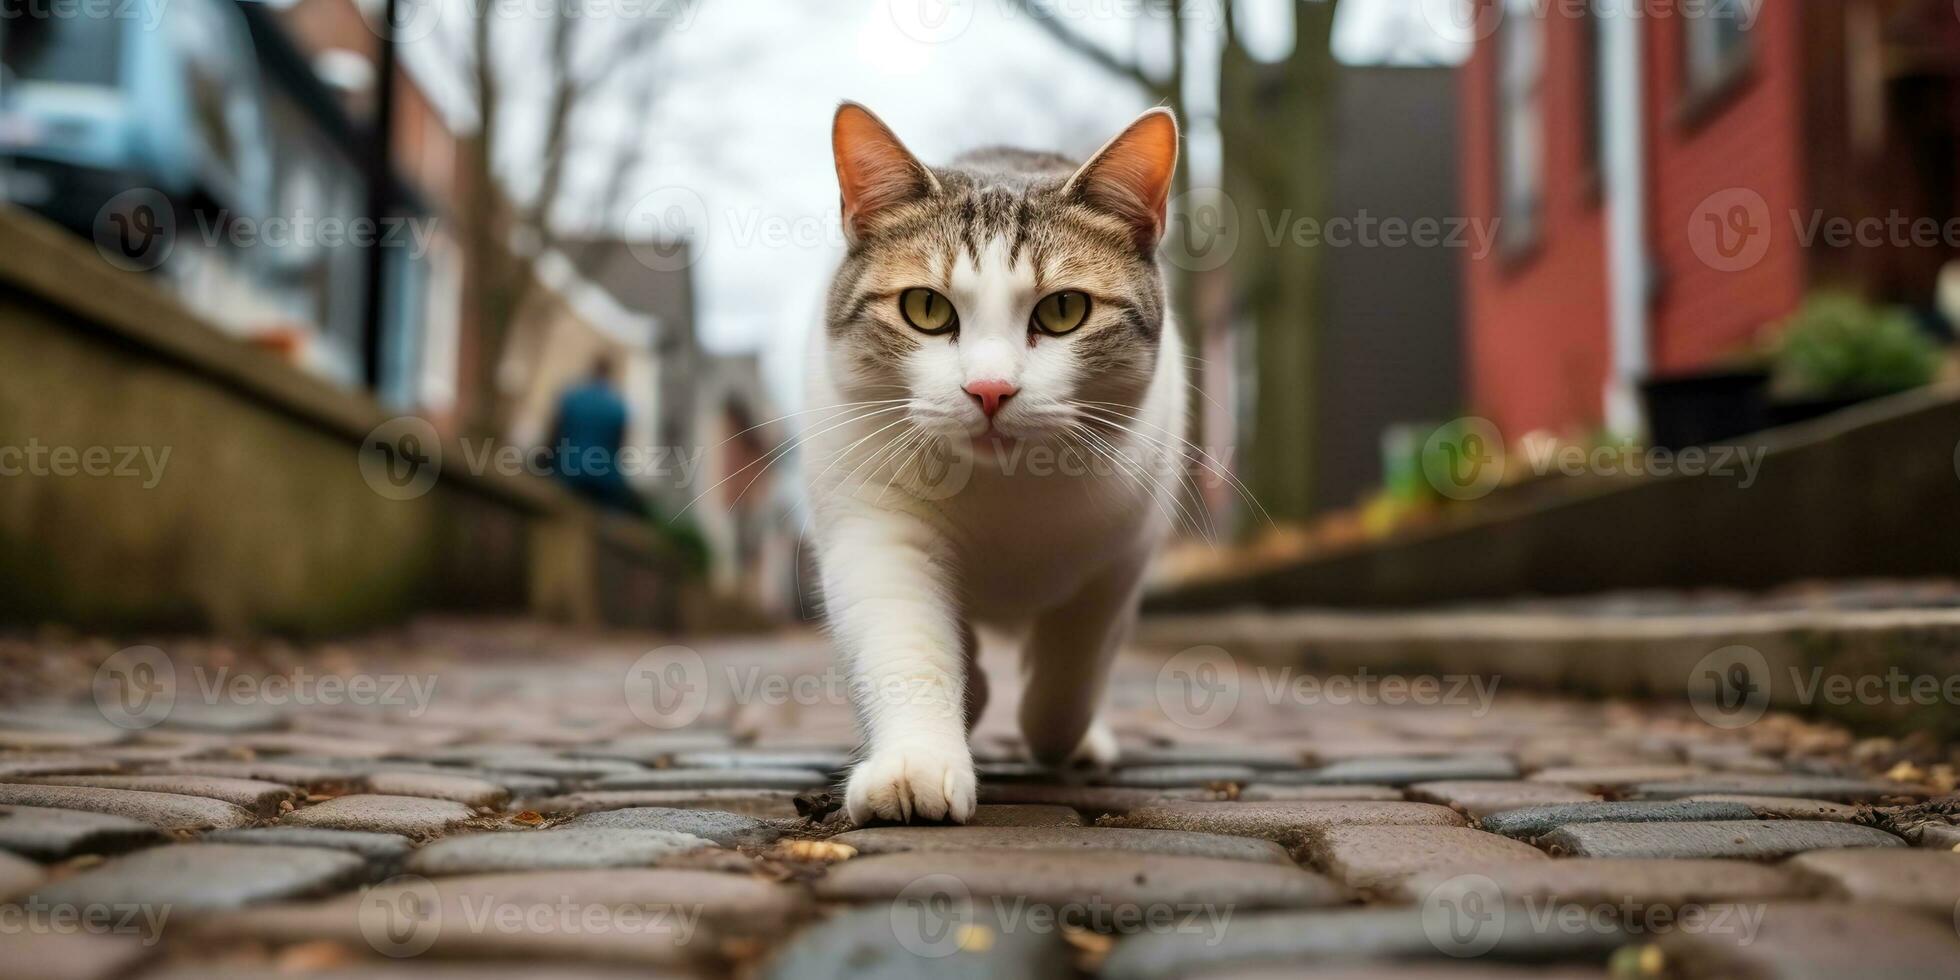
pixel 991 394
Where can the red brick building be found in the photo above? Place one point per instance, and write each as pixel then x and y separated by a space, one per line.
pixel 1658 210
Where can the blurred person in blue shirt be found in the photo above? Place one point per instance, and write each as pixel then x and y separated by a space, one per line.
pixel 587 437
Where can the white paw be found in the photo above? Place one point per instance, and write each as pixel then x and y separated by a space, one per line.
pixel 924 782
pixel 1098 749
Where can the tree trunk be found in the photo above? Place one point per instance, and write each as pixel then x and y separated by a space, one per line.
pixel 1275 122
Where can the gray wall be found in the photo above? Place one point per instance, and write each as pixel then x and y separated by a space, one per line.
pixel 1391 347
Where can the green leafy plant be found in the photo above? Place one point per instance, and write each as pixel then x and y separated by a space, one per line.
pixel 1838 345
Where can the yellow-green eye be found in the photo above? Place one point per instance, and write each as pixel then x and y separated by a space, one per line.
pixel 1061 312
pixel 927 311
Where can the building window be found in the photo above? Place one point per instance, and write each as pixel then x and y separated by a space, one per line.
pixel 1592 43
pixel 1520 125
pixel 1716 47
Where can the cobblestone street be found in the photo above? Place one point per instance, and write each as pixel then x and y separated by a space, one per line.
pixel 509 802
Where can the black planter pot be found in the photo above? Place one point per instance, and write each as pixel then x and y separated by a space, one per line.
pixel 1702 409
pixel 1805 409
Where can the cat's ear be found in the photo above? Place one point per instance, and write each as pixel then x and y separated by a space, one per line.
pixel 1130 177
pixel 874 170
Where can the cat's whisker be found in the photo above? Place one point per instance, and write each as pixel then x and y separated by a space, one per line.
pixel 915 442
pixel 908 453
pixel 885 454
pixel 1193 385
pixel 1169 448
pixel 1080 436
pixel 1175 494
pixel 765 469
pixel 1103 448
pixel 1166 447
pixel 846 452
pixel 770 458
pixel 838 408
pixel 1210 463
pixel 1154 489
pixel 1070 442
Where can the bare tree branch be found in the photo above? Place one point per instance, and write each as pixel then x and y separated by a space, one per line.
pixel 558 123
pixel 1039 12
pixel 628 157
pixel 581 64
pixel 634 40
pixel 574 90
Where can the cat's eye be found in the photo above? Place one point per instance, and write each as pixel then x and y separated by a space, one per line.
pixel 927 311
pixel 1059 313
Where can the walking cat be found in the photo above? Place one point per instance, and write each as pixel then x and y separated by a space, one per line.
pixel 998 399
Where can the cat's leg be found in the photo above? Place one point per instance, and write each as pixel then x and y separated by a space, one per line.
pixel 1098 749
pixel 976 679
pixel 890 601
pixel 1067 661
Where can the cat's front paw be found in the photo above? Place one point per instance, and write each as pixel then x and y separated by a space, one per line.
pixel 913 782
pixel 1098 750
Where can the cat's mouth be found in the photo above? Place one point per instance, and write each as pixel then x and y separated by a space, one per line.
pixel 994 442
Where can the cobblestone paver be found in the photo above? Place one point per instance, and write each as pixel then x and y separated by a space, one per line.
pixel 1724 839
pixel 885 840
pixel 18 876
pixel 199 876
pixel 550 805
pixel 1658 882
pixel 412 816
pixel 49 834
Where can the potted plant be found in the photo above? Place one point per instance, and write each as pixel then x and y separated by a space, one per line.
pixel 1706 407
pixel 1839 350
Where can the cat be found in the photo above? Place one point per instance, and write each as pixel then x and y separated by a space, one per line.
pixel 988 316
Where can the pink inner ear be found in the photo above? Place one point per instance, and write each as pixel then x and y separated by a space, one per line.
pixel 1131 177
pixel 874 170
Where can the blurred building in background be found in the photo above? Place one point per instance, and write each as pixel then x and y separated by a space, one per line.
pixel 222 151
pixel 1667 189
pixel 564 328
pixel 654 279
pixel 743 494
pixel 428 282
pixel 224 128
pixel 706 417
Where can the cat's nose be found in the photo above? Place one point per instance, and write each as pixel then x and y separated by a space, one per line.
pixel 991 394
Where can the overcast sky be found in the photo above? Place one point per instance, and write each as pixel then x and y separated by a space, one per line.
pixel 739 130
